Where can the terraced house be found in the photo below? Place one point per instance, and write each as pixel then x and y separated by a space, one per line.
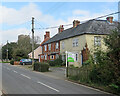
pixel 80 39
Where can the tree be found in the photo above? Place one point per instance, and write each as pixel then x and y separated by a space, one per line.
pixel 19 54
pixel 11 47
pixel 107 68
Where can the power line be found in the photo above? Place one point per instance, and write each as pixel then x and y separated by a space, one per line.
pixel 86 20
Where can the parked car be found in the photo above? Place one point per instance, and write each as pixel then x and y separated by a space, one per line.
pixel 25 61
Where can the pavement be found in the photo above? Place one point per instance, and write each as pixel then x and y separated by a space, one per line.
pixel 17 80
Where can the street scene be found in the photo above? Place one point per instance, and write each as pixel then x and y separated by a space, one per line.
pixel 60 48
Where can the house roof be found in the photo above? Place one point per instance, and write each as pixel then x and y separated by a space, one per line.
pixel 101 27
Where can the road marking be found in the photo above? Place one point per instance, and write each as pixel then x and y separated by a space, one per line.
pixel 48 86
pixel 15 71
pixel 25 76
pixel 8 68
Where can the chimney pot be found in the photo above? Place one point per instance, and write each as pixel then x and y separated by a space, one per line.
pixel 75 23
pixel 44 37
pixel 60 29
pixel 47 34
pixel 110 19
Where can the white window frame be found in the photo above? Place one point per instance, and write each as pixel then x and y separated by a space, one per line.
pixel 45 46
pixel 42 56
pixel 45 57
pixel 57 56
pixel 97 40
pixel 52 56
pixel 49 47
pixel 75 42
pixel 57 45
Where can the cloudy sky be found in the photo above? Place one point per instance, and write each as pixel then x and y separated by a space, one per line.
pixel 16 16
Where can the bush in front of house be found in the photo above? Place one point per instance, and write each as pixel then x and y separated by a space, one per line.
pixel 56 62
pixel 41 67
pixel 51 63
pixel 12 62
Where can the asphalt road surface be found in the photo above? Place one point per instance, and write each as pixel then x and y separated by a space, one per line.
pixel 17 80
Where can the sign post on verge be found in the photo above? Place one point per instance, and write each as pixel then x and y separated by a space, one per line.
pixel 70 57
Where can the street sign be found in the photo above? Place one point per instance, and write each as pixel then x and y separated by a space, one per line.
pixel 71 57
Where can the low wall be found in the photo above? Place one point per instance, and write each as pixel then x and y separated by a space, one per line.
pixel 16 63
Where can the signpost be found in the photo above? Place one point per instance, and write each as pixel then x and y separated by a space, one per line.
pixel 70 57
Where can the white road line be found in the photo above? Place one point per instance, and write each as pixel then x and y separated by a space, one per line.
pixel 48 86
pixel 8 68
pixel 25 76
pixel 15 71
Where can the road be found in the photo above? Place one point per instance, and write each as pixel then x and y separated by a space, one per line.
pixel 17 80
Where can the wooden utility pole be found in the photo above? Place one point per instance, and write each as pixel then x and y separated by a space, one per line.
pixel 7 51
pixel 33 42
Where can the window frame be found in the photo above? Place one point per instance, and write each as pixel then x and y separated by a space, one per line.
pixel 57 45
pixel 97 41
pixel 45 47
pixel 49 47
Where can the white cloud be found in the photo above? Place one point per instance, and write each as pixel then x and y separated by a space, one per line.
pixel 13 17
pixel 12 35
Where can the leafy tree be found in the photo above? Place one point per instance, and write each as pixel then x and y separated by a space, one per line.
pixel 11 47
pixel 107 68
pixel 19 54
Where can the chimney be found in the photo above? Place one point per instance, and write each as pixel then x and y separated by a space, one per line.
pixel 110 19
pixel 44 37
pixel 60 29
pixel 75 23
pixel 47 34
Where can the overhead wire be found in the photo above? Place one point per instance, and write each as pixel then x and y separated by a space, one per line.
pixel 86 20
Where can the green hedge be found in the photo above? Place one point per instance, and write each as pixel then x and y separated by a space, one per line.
pixel 41 67
pixel 12 62
pixel 56 62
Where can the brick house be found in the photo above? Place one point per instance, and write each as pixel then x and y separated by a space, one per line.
pixel 51 48
pixel 80 39
pixel 42 55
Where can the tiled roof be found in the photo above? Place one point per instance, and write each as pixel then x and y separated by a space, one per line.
pixel 89 27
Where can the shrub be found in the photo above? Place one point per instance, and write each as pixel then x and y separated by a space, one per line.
pixel 41 67
pixel 56 62
pixel 51 63
pixel 12 62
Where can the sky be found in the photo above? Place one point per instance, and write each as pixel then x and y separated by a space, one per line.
pixel 16 16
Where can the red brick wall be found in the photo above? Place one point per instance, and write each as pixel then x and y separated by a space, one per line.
pixel 53 49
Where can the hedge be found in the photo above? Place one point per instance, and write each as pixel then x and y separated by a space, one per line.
pixel 41 67
pixel 12 62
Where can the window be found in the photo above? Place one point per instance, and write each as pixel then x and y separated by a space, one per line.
pixel 97 41
pixel 57 56
pixel 52 57
pixel 76 55
pixel 57 45
pixel 75 42
pixel 45 57
pixel 42 56
pixel 63 45
pixel 63 57
pixel 95 58
pixel 45 47
pixel 49 47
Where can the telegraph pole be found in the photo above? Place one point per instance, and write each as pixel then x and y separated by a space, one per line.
pixel 33 42
pixel 7 50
